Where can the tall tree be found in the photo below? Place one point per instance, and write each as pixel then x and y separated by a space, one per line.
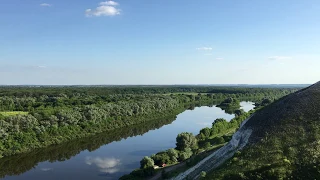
pixel 186 140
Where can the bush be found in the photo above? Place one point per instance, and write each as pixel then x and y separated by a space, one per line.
pixel 161 158
pixel 146 162
pixel 184 155
pixel 219 140
pixel 203 174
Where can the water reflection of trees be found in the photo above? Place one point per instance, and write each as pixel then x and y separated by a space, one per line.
pixel 18 164
pixel 229 109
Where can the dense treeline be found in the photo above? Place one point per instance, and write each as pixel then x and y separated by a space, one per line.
pixel 34 91
pixel 32 117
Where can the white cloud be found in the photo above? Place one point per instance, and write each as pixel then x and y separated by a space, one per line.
pixel 205 49
pixel 41 66
pixel 46 5
pixel 208 54
pixel 279 57
pixel 219 58
pixel 106 165
pixel 109 3
pixel 105 9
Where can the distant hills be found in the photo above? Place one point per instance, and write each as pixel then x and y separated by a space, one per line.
pixel 175 85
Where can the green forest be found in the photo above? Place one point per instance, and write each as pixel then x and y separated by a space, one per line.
pixel 35 117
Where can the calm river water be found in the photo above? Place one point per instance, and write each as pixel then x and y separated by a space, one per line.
pixel 109 155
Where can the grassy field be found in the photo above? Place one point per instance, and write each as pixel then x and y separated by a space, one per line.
pixel 12 113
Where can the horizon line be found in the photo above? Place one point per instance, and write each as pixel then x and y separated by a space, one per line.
pixel 146 84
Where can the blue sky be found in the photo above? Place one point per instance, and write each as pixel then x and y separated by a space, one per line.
pixel 159 41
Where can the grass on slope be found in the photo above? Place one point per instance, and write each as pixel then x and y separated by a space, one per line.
pixel 292 152
pixel 285 142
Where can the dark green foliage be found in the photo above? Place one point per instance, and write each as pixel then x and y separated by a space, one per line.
pixel 263 102
pixel 227 138
pixel 139 174
pixel 186 140
pixel 207 145
pixel 230 105
pixel 239 112
pixel 206 132
pixel 218 140
pixel 161 158
pixel 219 125
pixel 184 155
pixel 146 162
pixel 173 154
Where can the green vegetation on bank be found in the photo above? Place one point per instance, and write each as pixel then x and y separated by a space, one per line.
pixel 53 115
pixel 188 145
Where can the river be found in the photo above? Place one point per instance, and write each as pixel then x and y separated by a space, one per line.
pixel 112 154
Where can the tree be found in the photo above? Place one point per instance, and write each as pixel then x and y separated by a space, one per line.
pixel 201 136
pixel 219 140
pixel 265 102
pixel 207 145
pixel 186 140
pixel 161 158
pixel 146 162
pixel 239 112
pixel 219 120
pixel 184 155
pixel 205 131
pixel 173 154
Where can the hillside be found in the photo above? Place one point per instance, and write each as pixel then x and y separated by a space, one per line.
pixel 284 141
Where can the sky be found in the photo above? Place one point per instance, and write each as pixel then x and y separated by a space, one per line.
pixel 59 42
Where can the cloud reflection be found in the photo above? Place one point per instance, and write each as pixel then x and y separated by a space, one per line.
pixel 46 169
pixel 106 165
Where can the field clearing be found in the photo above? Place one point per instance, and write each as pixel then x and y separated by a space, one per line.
pixel 13 113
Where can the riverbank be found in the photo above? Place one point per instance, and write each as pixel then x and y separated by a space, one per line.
pixel 30 140
pixel 189 149
pixel 172 171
